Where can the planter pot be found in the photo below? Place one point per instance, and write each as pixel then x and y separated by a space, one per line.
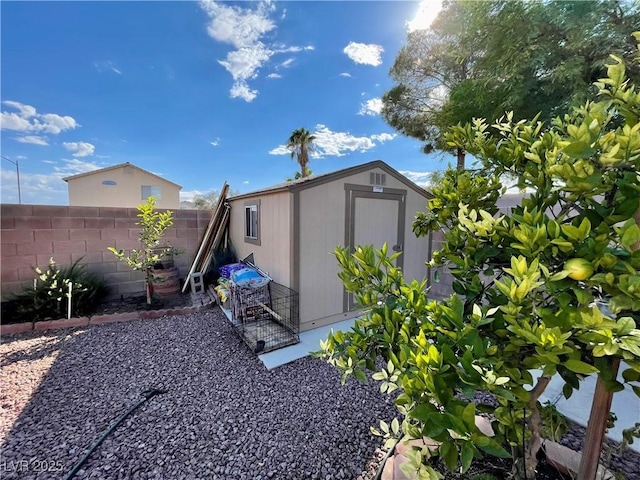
pixel 166 282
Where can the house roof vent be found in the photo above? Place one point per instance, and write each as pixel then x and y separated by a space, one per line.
pixel 377 178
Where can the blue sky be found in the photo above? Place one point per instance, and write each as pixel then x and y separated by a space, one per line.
pixel 198 92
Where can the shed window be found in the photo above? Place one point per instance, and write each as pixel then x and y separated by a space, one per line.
pixel 151 191
pixel 252 222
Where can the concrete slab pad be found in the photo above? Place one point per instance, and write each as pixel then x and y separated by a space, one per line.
pixel 309 342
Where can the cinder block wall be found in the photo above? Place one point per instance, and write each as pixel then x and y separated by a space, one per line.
pixel 31 234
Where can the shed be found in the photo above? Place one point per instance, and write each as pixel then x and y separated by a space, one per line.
pixel 293 228
pixel 122 185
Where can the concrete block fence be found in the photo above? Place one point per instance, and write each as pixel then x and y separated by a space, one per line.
pixel 31 234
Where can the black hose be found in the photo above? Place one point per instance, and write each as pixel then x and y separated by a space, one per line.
pixel 146 395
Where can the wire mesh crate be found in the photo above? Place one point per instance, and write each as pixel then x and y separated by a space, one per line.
pixel 267 317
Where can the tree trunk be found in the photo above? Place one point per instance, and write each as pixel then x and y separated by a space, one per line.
pixel 526 467
pixel 596 427
pixel 460 157
pixel 599 416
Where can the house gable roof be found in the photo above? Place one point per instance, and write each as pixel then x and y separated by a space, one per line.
pixel 314 180
pixel 116 167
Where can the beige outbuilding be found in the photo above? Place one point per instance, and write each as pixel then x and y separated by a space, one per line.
pixel 122 185
pixel 293 228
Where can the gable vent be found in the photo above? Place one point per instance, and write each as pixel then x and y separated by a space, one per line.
pixel 377 178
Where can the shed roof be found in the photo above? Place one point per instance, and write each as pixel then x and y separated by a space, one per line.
pixel 115 167
pixel 314 180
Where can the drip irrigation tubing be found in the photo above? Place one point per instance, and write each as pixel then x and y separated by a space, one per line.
pixel 146 395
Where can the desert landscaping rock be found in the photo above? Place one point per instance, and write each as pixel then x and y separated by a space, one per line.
pixel 224 415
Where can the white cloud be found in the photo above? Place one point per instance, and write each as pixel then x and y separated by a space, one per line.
pixel 244 29
pixel 246 182
pixel 28 120
pixel 384 137
pixel 242 90
pixel 43 189
pixel 74 166
pixel 34 139
pixel 107 65
pixel 280 150
pixel 187 196
pixel 243 64
pixel 345 74
pixel 287 63
pixel 80 149
pixel 419 178
pixel 372 106
pixel 338 144
pixel 274 75
pixel 25 111
pixel 240 27
pixel 216 142
pixel 293 49
pixel 364 53
pixel 427 12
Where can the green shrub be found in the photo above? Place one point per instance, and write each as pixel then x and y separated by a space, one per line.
pixel 48 297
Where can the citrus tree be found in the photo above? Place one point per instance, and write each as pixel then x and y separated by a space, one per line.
pixel 530 286
pixel 152 227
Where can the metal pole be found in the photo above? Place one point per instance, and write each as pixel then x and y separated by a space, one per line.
pixel 15 162
pixel 18 175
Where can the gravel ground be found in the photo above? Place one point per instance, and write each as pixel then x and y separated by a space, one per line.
pixel 224 416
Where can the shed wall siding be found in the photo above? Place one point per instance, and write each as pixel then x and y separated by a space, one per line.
pixel 416 250
pixel 89 191
pixel 273 254
pixel 322 217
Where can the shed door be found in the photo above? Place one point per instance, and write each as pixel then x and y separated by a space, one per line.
pixel 375 218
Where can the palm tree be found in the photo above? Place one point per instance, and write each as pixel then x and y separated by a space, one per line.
pixel 301 143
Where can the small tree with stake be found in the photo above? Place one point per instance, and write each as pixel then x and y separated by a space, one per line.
pixel 528 285
pixel 152 227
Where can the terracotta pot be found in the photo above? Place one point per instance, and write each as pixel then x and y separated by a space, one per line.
pixel 166 282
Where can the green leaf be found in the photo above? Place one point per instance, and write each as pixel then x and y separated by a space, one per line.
pixel 580 367
pixel 630 236
pixel 620 302
pixel 579 150
pixel 360 375
pixel 469 416
pixel 466 456
pixel 625 325
pixel 567 390
pixel 449 454
pixel 423 411
pixel 395 426
pixel 494 448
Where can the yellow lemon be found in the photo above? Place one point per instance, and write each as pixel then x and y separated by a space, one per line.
pixel 578 268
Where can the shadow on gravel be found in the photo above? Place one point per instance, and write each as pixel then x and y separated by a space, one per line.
pixel 224 416
pixel 47 344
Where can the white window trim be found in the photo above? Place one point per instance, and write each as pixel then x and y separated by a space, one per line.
pixel 252 206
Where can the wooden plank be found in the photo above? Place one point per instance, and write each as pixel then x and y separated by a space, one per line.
pixel 206 239
pixel 217 239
